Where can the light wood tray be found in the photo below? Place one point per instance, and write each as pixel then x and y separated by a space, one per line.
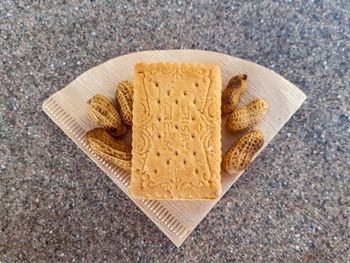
pixel 177 219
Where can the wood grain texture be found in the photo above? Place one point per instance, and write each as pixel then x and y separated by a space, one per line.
pixel 68 108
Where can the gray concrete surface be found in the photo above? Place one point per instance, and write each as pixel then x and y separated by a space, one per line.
pixel 291 205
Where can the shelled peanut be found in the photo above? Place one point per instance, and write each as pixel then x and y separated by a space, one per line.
pixel 109 148
pixel 247 116
pixel 124 95
pixel 105 115
pixel 239 156
pixel 232 93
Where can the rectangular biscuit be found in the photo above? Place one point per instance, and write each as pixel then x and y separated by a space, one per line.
pixel 176 132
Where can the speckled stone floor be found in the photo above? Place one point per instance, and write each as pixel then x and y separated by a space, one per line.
pixel 291 205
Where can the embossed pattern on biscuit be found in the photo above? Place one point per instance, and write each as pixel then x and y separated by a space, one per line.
pixel 176 131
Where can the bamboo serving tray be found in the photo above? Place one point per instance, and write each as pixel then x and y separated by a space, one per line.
pixel 68 108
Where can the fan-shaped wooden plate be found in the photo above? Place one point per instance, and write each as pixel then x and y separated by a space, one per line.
pixel 68 108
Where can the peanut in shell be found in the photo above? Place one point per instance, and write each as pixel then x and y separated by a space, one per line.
pixel 239 156
pixel 233 92
pixel 105 115
pixel 109 148
pixel 124 95
pixel 247 116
